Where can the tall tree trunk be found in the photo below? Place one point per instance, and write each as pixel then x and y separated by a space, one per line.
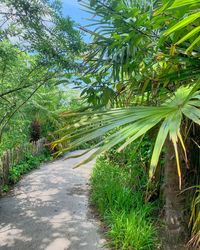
pixel 174 209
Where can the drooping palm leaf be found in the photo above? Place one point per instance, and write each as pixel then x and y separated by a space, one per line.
pixel 128 124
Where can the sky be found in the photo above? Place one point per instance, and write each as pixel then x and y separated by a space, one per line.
pixel 72 8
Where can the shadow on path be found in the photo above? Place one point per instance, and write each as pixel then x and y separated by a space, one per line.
pixel 48 209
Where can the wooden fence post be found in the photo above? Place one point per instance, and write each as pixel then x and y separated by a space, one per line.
pixel 13 156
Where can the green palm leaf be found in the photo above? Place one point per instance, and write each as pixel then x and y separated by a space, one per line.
pixel 182 23
pixel 183 3
pixel 125 125
pixel 189 35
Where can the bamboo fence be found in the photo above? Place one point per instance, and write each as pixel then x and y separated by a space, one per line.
pixel 13 156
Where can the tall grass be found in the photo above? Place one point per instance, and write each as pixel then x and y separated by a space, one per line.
pixel 131 230
pixel 118 193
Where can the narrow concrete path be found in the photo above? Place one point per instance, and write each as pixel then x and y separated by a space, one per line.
pixel 48 209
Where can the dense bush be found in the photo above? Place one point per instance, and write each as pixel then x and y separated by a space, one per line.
pixel 30 162
pixel 118 192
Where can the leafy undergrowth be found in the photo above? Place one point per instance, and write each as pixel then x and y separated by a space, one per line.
pixel 118 193
pixel 29 163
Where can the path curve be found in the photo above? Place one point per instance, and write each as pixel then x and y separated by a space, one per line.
pixel 48 210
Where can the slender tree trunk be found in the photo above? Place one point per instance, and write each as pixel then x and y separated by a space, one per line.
pixel 175 232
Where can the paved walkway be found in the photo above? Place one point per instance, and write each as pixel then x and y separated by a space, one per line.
pixel 48 209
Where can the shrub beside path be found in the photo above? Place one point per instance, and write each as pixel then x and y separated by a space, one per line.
pixel 48 210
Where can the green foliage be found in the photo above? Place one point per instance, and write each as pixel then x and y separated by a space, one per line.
pixel 29 91
pixel 188 10
pixel 118 192
pixel 38 48
pixel 132 231
pixel 139 151
pixel 127 125
pixel 112 195
pixel 119 189
pixel 195 218
pixel 39 27
pixel 139 78
pixel 142 65
pixel 5 188
pixel 30 162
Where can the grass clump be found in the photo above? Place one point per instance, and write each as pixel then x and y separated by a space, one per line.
pixel 118 192
pixel 132 230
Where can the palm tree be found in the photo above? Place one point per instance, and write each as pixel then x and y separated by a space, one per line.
pixel 159 79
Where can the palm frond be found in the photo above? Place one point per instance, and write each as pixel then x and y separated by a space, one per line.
pixel 125 125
